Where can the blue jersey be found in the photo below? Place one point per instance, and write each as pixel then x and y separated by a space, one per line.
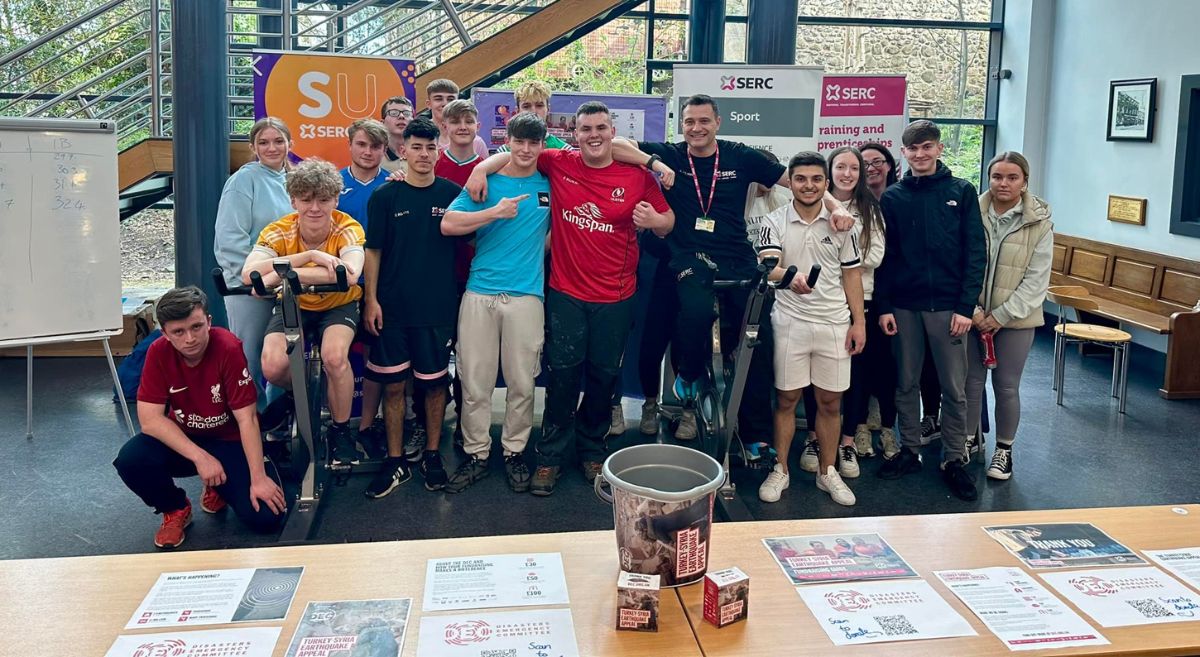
pixel 509 252
pixel 355 193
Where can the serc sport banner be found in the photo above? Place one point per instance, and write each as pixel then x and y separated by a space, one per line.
pixel 773 107
pixel 856 109
pixel 319 95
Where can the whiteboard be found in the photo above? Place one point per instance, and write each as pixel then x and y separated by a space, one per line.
pixel 60 252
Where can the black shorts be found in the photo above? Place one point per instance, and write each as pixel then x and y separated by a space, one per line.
pixel 420 352
pixel 314 322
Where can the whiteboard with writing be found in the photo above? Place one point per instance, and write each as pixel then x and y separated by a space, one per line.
pixel 60 253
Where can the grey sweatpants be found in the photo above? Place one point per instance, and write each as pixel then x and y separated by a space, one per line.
pixel 1012 350
pixel 950 359
pixel 248 318
pixel 506 331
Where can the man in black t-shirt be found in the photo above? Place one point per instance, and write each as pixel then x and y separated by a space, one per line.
pixel 411 302
pixel 709 242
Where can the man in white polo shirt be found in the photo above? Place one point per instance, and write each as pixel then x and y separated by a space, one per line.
pixel 817 329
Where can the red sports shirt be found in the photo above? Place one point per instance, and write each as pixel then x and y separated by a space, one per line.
pixel 200 399
pixel 593 242
pixel 458 173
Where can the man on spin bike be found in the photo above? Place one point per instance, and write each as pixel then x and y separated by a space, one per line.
pixel 316 239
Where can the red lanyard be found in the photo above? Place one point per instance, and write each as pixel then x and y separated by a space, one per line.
pixel 696 180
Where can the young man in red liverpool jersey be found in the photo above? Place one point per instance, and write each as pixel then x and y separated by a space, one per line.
pixel 196 406
pixel 597 206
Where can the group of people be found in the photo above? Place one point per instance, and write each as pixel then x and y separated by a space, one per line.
pixel 528 258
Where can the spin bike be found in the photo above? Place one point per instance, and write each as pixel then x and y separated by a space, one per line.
pixel 720 390
pixel 310 456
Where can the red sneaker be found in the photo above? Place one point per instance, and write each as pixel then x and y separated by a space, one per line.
pixel 211 501
pixel 170 534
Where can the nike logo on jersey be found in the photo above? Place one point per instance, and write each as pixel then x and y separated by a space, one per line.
pixel 174 390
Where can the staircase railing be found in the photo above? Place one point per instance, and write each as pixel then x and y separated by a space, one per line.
pixel 114 61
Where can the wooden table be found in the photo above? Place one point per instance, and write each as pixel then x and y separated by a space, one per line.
pixel 780 624
pixel 76 607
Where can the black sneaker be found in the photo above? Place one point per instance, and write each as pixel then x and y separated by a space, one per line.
pixel 1001 467
pixel 973 444
pixel 433 471
pixel 930 429
pixel 906 462
pixel 373 440
pixel 518 472
pixel 961 483
pixel 414 442
pixel 392 472
pixel 469 471
pixel 344 452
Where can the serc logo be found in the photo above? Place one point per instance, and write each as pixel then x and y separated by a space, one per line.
pixel 837 92
pixel 732 82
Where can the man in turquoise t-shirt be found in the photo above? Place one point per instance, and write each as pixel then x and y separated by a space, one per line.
pixel 501 319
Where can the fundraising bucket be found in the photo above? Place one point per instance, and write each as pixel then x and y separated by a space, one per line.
pixel 662 497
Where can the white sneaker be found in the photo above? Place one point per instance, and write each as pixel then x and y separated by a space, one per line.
pixel 887 436
pixel 616 426
pixel 831 483
pixel 687 425
pixel 777 481
pixel 847 461
pixel 863 441
pixel 873 421
pixel 809 458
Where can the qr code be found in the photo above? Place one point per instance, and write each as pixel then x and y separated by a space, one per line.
pixel 1150 608
pixel 507 652
pixel 895 625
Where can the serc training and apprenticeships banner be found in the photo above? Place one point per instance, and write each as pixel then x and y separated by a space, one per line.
pixel 773 107
pixel 319 95
pixel 635 116
pixel 856 109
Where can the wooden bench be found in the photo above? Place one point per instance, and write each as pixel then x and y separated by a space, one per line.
pixel 1150 291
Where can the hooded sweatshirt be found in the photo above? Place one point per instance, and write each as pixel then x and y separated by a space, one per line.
pixel 254 196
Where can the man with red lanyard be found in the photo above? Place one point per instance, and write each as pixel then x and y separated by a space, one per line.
pixel 196 406
pixel 709 200
pixel 597 205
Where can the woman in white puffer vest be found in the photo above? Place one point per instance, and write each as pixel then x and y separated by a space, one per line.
pixel 1020 241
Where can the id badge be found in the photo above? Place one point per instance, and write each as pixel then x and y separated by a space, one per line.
pixel 705 224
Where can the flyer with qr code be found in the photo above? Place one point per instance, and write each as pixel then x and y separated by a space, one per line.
pixel 837 558
pixel 1127 596
pixel 243 642
pixel 877 612
pixel 1019 610
pixel 524 633
pixel 498 580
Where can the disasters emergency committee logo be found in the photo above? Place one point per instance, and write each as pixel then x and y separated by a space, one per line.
pixel 168 648
pixel 461 634
pixel 318 96
pixel 847 600
pixel 1093 586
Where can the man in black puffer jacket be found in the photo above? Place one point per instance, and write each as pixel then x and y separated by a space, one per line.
pixel 928 285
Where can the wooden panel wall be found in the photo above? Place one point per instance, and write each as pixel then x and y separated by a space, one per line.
pixel 1150 281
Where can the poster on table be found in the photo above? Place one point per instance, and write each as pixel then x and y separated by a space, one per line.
pixel 877 612
pixel 1062 545
pixel 212 597
pixel 319 95
pixel 361 628
pixel 1184 563
pixel 528 633
pixel 243 642
pixel 635 116
pixel 1127 596
pixel 772 107
pixel 837 558
pixel 856 109
pixel 1019 610
pixel 501 580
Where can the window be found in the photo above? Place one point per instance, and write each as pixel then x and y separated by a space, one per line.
pixel 1185 202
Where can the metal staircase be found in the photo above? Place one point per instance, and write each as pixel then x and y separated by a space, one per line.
pixel 114 61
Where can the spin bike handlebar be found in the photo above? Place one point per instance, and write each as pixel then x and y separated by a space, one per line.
pixel 764 268
pixel 288 274
pixel 256 285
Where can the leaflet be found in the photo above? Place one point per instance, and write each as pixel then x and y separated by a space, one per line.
pixel 362 628
pixel 1184 563
pixel 1019 610
pixel 243 642
pixel 875 612
pixel 1127 596
pixel 837 558
pixel 524 633
pixel 501 580
pixel 213 597
pixel 1062 545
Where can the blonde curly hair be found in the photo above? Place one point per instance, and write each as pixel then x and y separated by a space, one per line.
pixel 314 178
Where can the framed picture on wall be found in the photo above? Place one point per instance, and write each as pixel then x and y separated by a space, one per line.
pixel 1131 105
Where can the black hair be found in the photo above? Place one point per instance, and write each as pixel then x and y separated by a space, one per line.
pixel 592 107
pixel 921 131
pixel 808 159
pixel 527 125
pixel 886 152
pixel 422 129
pixel 697 100
pixel 178 303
